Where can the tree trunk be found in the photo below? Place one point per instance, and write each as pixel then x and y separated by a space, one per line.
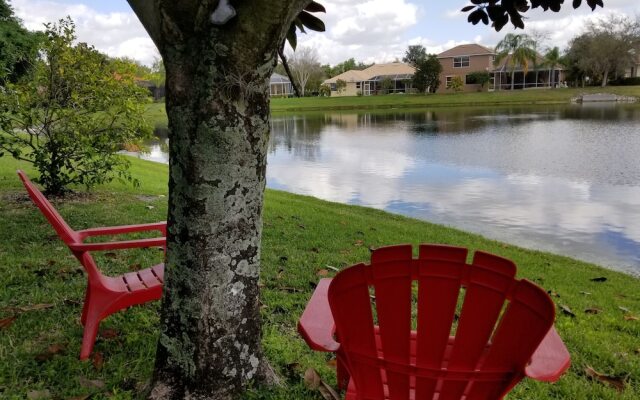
pixel 605 78
pixel 513 79
pixel 217 103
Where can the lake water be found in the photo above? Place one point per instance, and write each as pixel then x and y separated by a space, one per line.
pixel 564 179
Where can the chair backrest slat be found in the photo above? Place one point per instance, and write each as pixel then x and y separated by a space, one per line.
pixel 440 274
pixel 489 280
pixel 65 232
pixel 351 308
pixel 391 268
pixel 524 324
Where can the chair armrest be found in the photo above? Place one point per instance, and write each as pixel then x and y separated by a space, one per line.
pixel 126 244
pixel 316 324
pixel 117 230
pixel 550 360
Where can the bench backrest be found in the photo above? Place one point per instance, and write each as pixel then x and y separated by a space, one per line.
pixel 408 306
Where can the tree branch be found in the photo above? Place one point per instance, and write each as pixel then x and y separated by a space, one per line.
pixel 285 64
pixel 149 14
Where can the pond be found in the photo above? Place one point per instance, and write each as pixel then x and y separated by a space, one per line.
pixel 564 179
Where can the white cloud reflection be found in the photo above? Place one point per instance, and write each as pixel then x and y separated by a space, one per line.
pixel 381 169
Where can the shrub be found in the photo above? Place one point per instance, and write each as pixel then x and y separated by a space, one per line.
pixel 74 115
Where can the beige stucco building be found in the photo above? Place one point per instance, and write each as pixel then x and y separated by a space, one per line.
pixel 462 61
pixel 369 81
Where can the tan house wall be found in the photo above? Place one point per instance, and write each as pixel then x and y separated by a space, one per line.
pixel 476 63
pixel 350 90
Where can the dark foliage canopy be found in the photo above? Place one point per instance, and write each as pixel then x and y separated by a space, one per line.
pixel 18 47
pixel 500 12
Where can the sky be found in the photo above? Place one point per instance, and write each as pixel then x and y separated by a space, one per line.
pixel 367 30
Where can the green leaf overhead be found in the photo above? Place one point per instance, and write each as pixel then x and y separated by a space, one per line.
pixel 500 12
pixel 306 20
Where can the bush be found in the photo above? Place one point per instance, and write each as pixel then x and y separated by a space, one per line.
pixel 324 91
pixel 632 81
pixel 456 84
pixel 479 78
pixel 73 116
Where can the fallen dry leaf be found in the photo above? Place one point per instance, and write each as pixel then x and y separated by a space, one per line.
pixel 333 363
pixel 333 268
pixel 51 351
pixel 327 392
pixel 35 307
pixel 359 242
pixel 625 309
pixel 97 359
pixel 135 267
pixel 81 397
pixel 552 293
pixel 91 383
pixel 614 381
pixel 593 310
pixel 566 310
pixel 109 333
pixel 38 394
pixel 280 273
pixel 585 293
pixel 631 318
pixel 599 279
pixel 322 272
pixel 313 381
pixel 6 322
pixel 289 289
pixel 23 309
pixel 110 254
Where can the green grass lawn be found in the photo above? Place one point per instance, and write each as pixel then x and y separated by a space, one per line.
pixel 157 116
pixel 302 235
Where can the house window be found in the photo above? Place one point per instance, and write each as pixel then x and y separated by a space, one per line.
pixel 460 62
pixel 357 85
pixel 448 81
pixel 470 80
pixel 334 87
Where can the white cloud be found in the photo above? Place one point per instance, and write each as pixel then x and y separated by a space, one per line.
pixel 367 30
pixel 118 34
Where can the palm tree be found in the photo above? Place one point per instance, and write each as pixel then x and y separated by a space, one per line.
pixel 521 49
pixel 551 59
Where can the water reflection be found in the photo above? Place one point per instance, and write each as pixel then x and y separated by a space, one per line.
pixel 563 179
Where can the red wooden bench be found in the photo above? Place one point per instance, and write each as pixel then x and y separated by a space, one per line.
pixel 105 295
pixel 388 348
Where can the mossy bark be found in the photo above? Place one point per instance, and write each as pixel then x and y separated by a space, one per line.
pixel 218 107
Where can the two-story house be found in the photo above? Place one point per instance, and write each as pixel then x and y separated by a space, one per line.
pixel 462 61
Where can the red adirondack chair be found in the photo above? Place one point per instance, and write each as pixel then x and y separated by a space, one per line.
pixel 385 354
pixel 105 294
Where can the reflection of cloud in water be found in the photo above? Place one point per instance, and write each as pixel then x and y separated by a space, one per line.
pixel 495 181
pixel 522 209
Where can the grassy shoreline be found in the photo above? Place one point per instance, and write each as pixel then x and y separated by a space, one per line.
pixel 302 236
pixel 157 116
